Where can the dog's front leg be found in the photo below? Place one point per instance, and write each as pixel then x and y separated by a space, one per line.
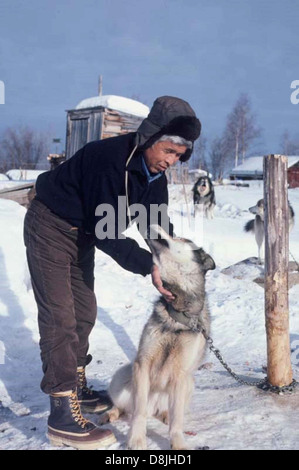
pixel 177 402
pixel 137 433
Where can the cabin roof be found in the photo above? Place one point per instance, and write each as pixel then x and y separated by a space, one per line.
pixel 255 165
pixel 117 103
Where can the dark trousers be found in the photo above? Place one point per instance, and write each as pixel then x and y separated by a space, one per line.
pixel 61 264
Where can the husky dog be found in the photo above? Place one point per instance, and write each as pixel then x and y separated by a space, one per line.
pixel 256 225
pixel 159 383
pixel 204 197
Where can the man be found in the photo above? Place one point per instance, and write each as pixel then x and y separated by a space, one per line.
pixel 60 237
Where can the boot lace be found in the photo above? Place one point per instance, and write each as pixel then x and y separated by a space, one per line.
pixel 82 382
pixel 76 411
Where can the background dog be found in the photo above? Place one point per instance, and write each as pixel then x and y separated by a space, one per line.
pixel 256 225
pixel 204 196
pixel 160 383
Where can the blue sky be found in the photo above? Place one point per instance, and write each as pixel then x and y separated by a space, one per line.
pixel 205 51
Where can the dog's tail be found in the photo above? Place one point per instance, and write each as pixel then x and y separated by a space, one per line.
pixel 249 226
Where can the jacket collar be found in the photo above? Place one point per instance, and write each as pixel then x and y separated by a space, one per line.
pixel 137 164
pixel 150 176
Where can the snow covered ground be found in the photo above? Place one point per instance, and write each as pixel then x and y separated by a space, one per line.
pixel 24 175
pixel 223 414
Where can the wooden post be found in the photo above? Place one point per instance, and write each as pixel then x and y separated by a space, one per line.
pixel 276 270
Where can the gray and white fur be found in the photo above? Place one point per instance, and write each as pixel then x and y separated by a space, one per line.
pixel 159 382
pixel 256 225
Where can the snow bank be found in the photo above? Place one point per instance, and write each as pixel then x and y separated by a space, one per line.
pixel 12 250
pixel 24 175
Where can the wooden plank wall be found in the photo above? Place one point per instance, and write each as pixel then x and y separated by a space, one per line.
pixel 22 194
pixel 116 123
pixel 86 125
pixel 293 176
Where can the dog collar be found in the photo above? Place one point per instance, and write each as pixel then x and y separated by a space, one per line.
pixel 184 318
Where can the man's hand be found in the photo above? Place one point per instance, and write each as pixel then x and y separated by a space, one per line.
pixel 157 282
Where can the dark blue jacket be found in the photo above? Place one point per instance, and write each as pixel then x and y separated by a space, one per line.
pixel 96 175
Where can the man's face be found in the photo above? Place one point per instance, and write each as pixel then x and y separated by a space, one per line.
pixel 162 155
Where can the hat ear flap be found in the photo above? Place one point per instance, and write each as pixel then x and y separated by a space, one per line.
pixel 185 157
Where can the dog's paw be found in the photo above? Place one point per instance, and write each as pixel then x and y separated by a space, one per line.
pixel 113 414
pixel 137 443
pixel 109 416
pixel 177 442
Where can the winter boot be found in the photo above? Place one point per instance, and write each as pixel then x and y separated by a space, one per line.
pixel 67 426
pixel 91 401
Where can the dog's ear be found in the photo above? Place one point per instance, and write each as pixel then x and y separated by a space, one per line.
pixel 206 261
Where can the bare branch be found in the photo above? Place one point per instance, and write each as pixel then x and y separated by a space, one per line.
pixel 22 147
pixel 241 129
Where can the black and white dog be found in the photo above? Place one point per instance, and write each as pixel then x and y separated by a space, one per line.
pixel 204 197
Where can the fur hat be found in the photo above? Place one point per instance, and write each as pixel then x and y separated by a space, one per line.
pixel 169 116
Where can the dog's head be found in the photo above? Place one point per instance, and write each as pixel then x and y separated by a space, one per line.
pixel 182 264
pixel 203 186
pixel 258 209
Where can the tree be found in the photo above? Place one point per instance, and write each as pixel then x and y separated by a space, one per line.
pixel 219 156
pixel 241 129
pixel 23 147
pixel 198 160
pixel 289 146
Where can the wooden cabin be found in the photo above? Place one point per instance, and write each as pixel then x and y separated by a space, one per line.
pixel 252 169
pixel 293 175
pixel 101 117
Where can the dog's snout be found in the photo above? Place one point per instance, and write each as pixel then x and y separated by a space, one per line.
pixel 253 209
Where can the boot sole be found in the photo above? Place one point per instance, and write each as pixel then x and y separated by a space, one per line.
pixel 57 441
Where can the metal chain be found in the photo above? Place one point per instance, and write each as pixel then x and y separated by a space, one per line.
pixel 262 384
